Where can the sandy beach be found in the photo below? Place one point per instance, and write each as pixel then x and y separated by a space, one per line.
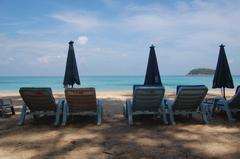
pixel 111 47
pixel 148 138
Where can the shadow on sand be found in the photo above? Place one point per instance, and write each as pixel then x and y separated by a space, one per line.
pixel 148 138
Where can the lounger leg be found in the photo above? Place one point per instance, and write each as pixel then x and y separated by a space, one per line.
pixel 58 114
pixel 124 110
pixel 204 116
pixel 99 112
pixel 65 114
pixel 35 116
pixel 164 114
pixel 12 108
pixel 209 110
pixel 3 111
pixel 170 111
pixel 23 114
pixel 214 107
pixel 190 116
pixel 13 111
pixel 102 112
pixel 229 115
pixel 204 113
pixel 130 116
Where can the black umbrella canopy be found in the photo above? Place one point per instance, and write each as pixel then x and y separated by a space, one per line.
pixel 71 72
pixel 152 76
pixel 222 77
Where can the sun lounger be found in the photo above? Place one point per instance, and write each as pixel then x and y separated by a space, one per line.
pixel 229 106
pixel 146 100
pixel 189 100
pixel 82 101
pixel 39 101
pixel 6 104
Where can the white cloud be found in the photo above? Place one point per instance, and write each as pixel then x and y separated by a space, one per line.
pixel 8 60
pixel 82 40
pixel 46 59
pixel 43 60
pixel 11 59
pixel 81 20
pixel 82 61
pixel 111 3
pixel 29 44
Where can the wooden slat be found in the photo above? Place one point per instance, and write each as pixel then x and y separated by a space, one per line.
pixel 38 99
pixel 81 99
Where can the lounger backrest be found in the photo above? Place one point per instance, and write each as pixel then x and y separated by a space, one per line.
pixel 189 98
pixel 142 85
pixel 136 86
pixel 189 86
pixel 235 100
pixel 38 99
pixel 148 98
pixel 81 99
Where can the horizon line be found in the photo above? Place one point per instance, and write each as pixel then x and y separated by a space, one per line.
pixel 100 75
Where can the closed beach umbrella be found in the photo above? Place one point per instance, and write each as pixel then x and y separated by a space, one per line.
pixel 71 72
pixel 222 77
pixel 152 76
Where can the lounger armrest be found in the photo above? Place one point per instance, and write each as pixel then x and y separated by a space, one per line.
pixel 164 101
pixel 60 102
pixel 168 102
pixel 128 101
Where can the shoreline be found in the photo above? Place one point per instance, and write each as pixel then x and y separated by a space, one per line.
pixel 120 94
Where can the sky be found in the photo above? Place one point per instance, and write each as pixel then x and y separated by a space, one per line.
pixel 112 37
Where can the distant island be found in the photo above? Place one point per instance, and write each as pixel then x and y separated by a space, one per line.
pixel 201 71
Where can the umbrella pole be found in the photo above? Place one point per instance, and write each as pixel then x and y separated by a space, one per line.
pixel 224 92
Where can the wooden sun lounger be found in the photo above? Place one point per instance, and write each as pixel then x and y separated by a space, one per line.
pixel 39 101
pixel 82 101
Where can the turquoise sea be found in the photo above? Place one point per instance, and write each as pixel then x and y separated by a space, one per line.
pixel 103 83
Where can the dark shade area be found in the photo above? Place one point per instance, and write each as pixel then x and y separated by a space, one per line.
pixel 222 77
pixel 71 72
pixel 152 76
